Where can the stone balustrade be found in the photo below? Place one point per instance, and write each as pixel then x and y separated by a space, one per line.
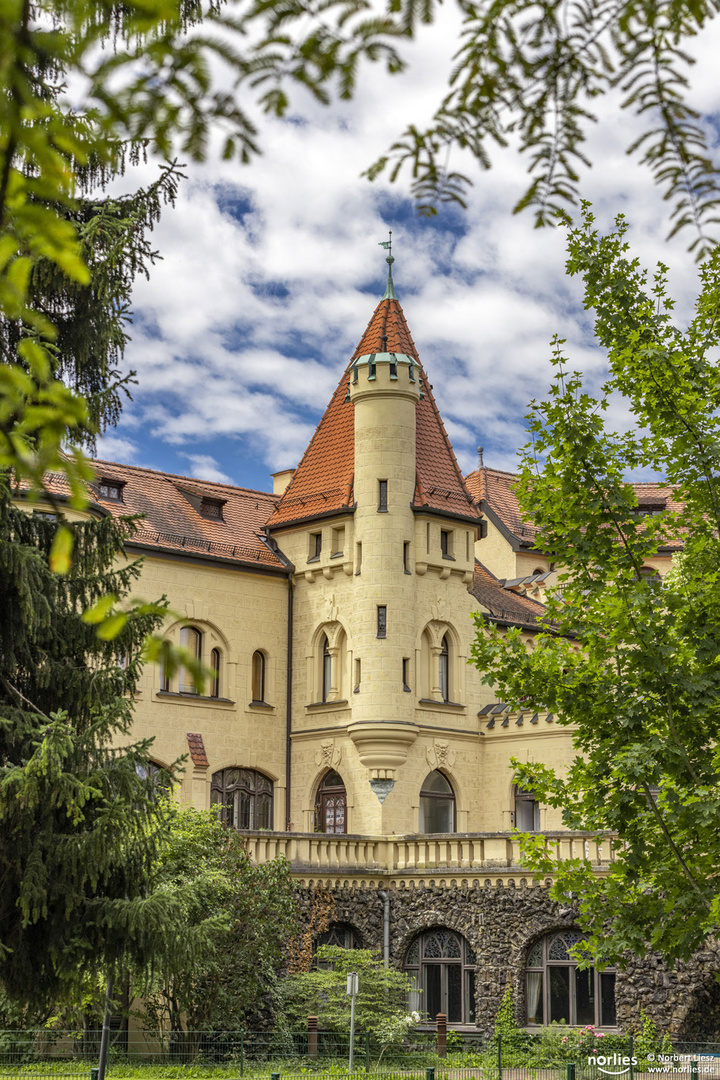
pixel 321 854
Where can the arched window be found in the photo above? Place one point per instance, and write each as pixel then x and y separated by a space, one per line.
pixel 444 678
pixel 441 965
pixel 527 810
pixel 340 935
pixel 331 805
pixel 326 669
pixel 258 676
pixel 190 639
pixel 215 668
pixel 437 805
pixel 244 798
pixel 158 778
pixel 558 991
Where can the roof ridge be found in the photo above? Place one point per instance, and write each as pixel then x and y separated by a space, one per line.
pixel 179 476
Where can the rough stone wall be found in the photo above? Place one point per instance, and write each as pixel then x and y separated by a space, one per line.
pixel 501 922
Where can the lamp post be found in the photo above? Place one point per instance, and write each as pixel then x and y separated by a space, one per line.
pixel 352 990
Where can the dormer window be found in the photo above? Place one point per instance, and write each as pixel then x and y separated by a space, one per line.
pixel 211 508
pixel 112 489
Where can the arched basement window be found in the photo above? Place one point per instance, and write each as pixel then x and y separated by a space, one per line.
pixel 437 805
pixel 441 965
pixel 331 805
pixel 557 991
pixel 244 798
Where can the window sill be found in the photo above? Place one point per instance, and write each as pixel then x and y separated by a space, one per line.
pixel 205 699
pixel 441 706
pixel 260 705
pixel 319 706
pixel 313 559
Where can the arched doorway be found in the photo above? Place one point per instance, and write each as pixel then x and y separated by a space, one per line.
pixel 441 964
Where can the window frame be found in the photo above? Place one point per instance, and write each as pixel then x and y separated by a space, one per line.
pixel 382 497
pixel 186 683
pixel 382 620
pixel 437 796
pixel 444 669
pixel 227 788
pixel 418 972
pixel 327 793
pixel 258 677
pixel 543 994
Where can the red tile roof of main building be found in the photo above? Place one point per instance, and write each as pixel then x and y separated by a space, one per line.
pixel 172 521
pixel 323 481
pixel 496 489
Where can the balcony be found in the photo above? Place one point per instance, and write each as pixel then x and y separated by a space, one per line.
pixel 470 855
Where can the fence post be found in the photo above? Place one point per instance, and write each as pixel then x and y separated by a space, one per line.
pixel 312 1030
pixel 94 1074
pixel 571 1070
pixel 430 1072
pixel 693 1070
pixel 499 1039
pixel 242 1052
pixel 367 1051
pixel 441 1021
pixel 632 1052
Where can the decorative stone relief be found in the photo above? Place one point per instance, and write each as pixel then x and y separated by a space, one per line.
pixel 441 755
pixel 329 755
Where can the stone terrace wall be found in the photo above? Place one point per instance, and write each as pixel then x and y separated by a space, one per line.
pixel 501 922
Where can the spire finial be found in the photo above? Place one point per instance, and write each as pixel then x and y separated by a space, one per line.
pixel 390 288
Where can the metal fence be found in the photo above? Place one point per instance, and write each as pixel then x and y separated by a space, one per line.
pixel 564 1054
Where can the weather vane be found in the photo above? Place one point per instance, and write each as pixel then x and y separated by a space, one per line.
pixel 390 289
pixel 387 244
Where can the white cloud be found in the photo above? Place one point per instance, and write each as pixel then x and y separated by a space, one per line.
pixel 244 328
pixel 205 467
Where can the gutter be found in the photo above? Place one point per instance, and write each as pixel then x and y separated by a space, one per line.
pixel 385 897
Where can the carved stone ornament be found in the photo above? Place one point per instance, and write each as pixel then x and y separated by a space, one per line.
pixel 440 755
pixel 331 608
pixel 328 755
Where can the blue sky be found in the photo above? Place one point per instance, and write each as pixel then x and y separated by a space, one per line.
pixel 270 273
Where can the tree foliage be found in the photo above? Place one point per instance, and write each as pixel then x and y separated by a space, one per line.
pixel 79 826
pixel 629 663
pixel 250 912
pixel 531 72
pixel 382 992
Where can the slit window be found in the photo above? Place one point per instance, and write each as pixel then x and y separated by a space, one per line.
pixel 406 674
pixel 358 677
pixel 215 668
pixel 382 620
pixel 358 557
pixel 315 546
pixel 406 556
pixel 446 543
pixel 338 542
pixel 382 496
pixel 258 676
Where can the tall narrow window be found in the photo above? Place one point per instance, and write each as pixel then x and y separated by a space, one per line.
pixel 258 676
pixel 382 620
pixel 427 538
pixel 215 668
pixel 382 496
pixel 358 557
pixel 338 542
pixel 446 543
pixel 330 808
pixel 437 805
pixel 406 556
pixel 358 677
pixel 326 668
pixel 406 674
pixel 445 670
pixel 190 639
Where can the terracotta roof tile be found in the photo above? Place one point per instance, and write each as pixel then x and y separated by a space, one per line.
pixel 502 604
pixel 323 480
pixel 497 490
pixel 197 750
pixel 172 522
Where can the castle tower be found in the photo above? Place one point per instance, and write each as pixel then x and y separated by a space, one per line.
pixel 379 528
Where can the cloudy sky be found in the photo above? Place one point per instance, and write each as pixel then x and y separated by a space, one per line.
pixel 270 273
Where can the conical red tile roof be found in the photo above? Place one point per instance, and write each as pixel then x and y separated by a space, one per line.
pixel 323 481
